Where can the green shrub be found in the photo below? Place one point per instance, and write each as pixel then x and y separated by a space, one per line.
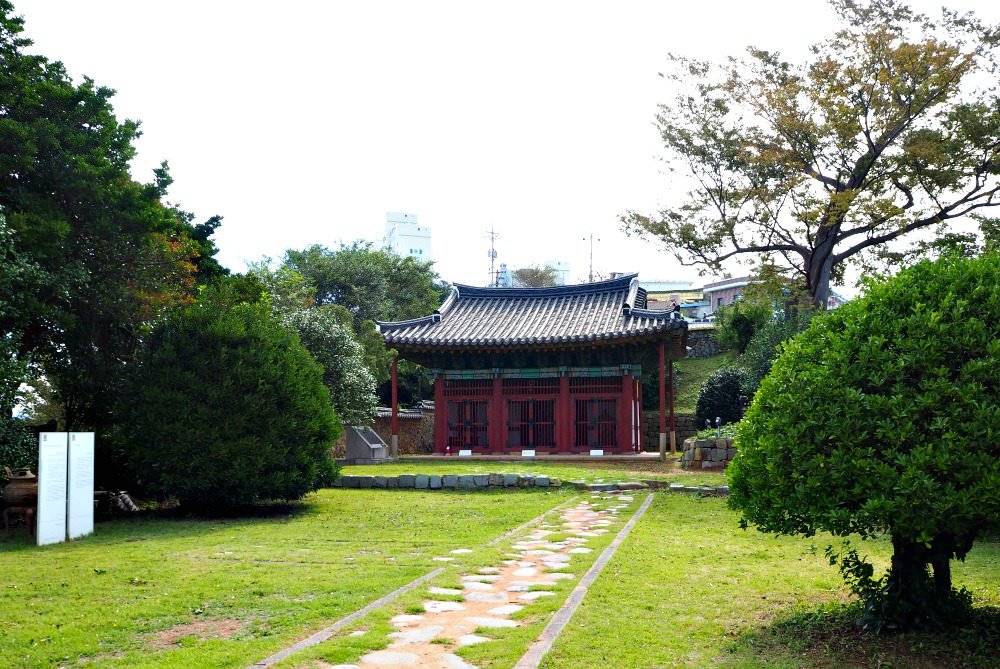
pixel 719 397
pixel 882 418
pixel 18 447
pixel 765 344
pixel 227 408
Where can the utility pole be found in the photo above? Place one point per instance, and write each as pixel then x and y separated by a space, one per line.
pixel 591 238
pixel 492 253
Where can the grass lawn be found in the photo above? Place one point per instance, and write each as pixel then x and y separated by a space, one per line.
pixel 687 589
pixel 593 471
pixel 690 589
pixel 145 592
pixel 691 374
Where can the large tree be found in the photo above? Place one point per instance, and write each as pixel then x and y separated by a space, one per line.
pixel 881 419
pixel 890 127
pixel 107 256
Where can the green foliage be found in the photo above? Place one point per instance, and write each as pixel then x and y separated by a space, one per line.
pixel 372 284
pixel 95 255
pixel 890 126
pixel 18 446
pixel 720 396
pixel 351 385
pixel 736 323
pixel 535 276
pixel 226 407
pixel 766 343
pixel 882 417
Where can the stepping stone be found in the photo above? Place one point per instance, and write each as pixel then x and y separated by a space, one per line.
pixel 476 585
pixel 434 606
pixel 557 557
pixel 388 658
pixel 344 666
pixel 526 571
pixel 486 597
pixel 489 570
pixel 581 549
pixel 525 564
pixel 535 594
pixel 505 610
pixel 480 621
pixel 419 635
pixel 471 639
pixel 455 662
pixel 538 551
pixel 444 559
pixel 482 578
pixel 406 619
pixel 461 551
pixel 434 590
pixel 518 588
pixel 558 575
pixel 358 633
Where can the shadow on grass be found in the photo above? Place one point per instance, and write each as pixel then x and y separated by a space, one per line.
pixel 828 637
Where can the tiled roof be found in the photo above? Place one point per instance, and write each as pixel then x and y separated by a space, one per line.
pixel 514 317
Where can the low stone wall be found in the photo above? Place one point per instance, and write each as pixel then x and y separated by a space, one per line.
pixel 448 482
pixel 416 431
pixel 686 423
pixel 484 481
pixel 713 453
pixel 701 342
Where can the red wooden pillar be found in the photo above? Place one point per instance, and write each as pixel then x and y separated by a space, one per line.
pixel 661 355
pixel 394 423
pixel 637 412
pixel 440 417
pixel 495 442
pixel 673 416
pixel 564 417
pixel 624 437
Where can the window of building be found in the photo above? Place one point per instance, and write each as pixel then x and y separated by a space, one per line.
pixel 596 423
pixel 467 424
pixel 531 423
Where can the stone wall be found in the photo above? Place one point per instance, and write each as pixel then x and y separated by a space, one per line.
pixel 702 343
pixel 714 453
pixel 415 432
pixel 685 423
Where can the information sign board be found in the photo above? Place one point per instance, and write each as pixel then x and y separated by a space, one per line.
pixel 80 499
pixel 51 513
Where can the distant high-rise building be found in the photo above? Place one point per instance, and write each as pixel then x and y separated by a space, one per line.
pixel 406 237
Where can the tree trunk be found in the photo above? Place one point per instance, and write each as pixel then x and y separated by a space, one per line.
pixel 942 576
pixel 819 268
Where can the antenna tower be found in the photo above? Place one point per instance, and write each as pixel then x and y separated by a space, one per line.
pixel 492 253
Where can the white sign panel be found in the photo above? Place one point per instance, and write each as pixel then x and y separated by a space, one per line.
pixel 51 514
pixel 80 500
pixel 465 453
pixel 597 451
pixel 528 454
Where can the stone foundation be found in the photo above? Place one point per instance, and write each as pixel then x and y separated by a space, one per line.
pixel 713 453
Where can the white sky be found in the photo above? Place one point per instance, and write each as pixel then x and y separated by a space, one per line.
pixel 304 122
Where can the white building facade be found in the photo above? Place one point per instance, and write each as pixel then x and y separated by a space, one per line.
pixel 406 237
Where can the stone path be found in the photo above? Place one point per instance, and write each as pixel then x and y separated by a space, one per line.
pixel 491 595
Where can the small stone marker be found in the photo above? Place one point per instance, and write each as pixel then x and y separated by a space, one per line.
pixel 465 453
pixel 434 606
pixel 596 452
pixel 528 454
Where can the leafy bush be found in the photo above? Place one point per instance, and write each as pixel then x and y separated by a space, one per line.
pixel 738 322
pixel 765 345
pixel 18 446
pixel 228 408
pixel 882 418
pixel 720 396
pixel 351 385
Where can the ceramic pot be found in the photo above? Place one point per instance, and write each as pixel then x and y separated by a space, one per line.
pixel 22 489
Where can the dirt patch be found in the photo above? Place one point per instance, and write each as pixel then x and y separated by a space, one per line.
pixel 201 629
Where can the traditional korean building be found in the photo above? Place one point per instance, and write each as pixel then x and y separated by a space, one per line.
pixel 551 370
